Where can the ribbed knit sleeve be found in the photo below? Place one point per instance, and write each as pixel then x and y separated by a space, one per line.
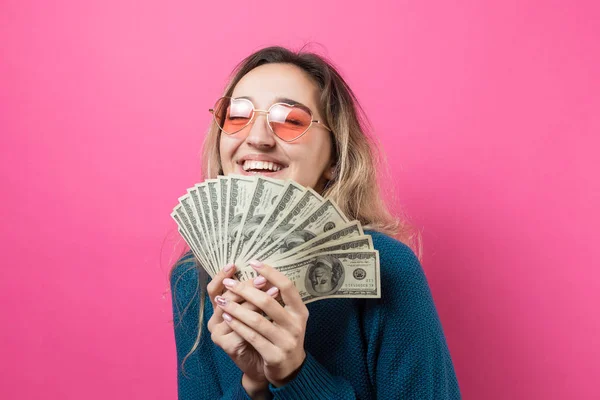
pixel 200 378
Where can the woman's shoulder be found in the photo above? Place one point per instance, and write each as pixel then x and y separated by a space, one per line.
pixel 392 251
pixel 400 269
pixel 404 286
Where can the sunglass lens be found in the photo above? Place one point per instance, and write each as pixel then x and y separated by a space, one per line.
pixel 232 115
pixel 289 122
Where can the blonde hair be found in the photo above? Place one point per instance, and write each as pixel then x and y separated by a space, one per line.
pixel 355 153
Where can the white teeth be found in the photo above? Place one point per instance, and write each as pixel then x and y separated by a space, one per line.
pixel 266 165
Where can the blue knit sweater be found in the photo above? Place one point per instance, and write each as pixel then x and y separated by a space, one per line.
pixel 388 348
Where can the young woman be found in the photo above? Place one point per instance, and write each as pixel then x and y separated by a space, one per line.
pixel 388 348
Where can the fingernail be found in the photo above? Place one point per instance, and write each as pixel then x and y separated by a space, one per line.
pixel 256 264
pixel 222 301
pixel 273 291
pixel 229 282
pixel 260 280
pixel 229 267
pixel 227 317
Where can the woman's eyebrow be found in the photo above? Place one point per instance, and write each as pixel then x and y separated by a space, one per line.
pixel 288 101
pixel 277 100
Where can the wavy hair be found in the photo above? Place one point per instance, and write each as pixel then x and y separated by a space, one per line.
pixel 354 186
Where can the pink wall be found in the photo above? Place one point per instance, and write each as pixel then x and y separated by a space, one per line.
pixel 489 114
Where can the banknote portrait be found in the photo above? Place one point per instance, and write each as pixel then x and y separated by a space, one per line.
pixel 325 276
pixel 250 226
pixel 235 226
pixel 280 231
pixel 295 239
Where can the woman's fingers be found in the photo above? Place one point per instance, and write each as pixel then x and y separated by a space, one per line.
pixel 231 296
pixel 224 337
pixel 260 282
pixel 286 287
pixel 219 328
pixel 250 325
pixel 265 301
pixel 215 287
pixel 280 343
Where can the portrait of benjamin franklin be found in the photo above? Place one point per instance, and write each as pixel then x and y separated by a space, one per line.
pixel 251 226
pixel 280 231
pixel 325 276
pixel 295 239
pixel 234 226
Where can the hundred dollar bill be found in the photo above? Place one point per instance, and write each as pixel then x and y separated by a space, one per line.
pixel 204 198
pixel 213 203
pixel 198 256
pixel 346 231
pixel 303 207
pixel 223 191
pixel 355 243
pixel 201 222
pixel 196 217
pixel 339 274
pixel 240 193
pixel 182 221
pixel 186 226
pixel 191 206
pixel 290 195
pixel 263 199
pixel 325 218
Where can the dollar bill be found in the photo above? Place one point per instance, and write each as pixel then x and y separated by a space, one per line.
pixel 325 218
pixel 185 225
pixel 303 207
pixel 213 203
pixel 201 224
pixel 354 243
pixel 263 199
pixel 339 274
pixel 346 231
pixel 240 193
pixel 204 198
pixel 190 203
pixel 290 195
pixel 223 192
pixel 197 254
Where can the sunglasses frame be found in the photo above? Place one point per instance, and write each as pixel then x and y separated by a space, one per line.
pixel 256 111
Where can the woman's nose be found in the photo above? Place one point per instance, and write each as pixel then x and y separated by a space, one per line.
pixel 260 135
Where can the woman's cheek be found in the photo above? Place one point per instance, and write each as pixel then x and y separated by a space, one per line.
pixel 226 150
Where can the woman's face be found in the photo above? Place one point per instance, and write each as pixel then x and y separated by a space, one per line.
pixel 306 160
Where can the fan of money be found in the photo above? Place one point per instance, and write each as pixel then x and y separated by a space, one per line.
pixel 236 218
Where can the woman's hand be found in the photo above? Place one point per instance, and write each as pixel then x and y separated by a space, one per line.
pixel 279 343
pixel 242 353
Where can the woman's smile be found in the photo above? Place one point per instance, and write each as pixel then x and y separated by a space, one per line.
pixel 261 164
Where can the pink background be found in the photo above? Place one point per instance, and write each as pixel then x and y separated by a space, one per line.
pixel 488 112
